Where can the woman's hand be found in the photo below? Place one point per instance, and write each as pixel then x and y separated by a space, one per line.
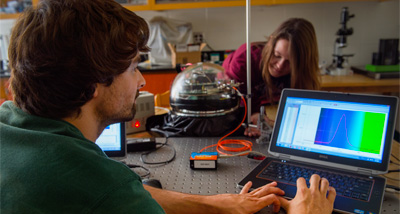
pixel 255 132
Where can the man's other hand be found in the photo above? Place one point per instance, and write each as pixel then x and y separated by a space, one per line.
pixel 311 200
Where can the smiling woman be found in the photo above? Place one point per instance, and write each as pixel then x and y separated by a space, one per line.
pixel 280 63
pixel 289 59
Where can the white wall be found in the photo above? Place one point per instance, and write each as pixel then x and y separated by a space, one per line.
pixel 6 25
pixel 224 28
pixel 5 31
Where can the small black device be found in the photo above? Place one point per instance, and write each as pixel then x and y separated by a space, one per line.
pixel 203 160
pixel 141 144
pixel 389 51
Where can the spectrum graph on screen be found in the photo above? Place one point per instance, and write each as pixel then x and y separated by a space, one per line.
pixel 352 130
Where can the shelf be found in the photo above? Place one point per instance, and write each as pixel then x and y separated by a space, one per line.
pixel 177 5
pixel 277 2
pixel 9 15
pixel 15 15
pixel 208 4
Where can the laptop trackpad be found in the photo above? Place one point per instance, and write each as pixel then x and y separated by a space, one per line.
pixel 290 190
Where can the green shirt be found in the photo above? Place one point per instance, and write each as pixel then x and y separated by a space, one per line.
pixel 48 166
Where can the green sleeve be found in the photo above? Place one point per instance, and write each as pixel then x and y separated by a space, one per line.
pixel 129 198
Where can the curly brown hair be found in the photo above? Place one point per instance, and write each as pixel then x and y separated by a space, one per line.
pixel 60 50
pixel 303 57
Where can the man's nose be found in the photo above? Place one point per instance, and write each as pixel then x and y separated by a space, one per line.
pixel 141 80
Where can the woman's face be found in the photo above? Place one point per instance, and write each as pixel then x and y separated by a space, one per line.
pixel 280 65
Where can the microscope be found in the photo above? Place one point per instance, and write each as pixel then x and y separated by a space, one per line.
pixel 340 65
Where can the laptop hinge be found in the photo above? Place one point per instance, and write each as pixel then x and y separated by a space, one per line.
pixel 364 171
pixel 284 157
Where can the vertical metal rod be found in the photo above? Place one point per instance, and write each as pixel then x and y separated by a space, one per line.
pixel 248 60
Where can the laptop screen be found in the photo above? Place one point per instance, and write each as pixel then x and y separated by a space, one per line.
pixel 335 127
pixel 112 140
pixel 346 129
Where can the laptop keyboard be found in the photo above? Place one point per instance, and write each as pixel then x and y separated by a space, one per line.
pixel 345 185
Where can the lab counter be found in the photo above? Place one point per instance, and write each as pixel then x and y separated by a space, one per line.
pixel 359 83
pixel 145 68
pixel 178 176
pixel 5 73
pixel 5 94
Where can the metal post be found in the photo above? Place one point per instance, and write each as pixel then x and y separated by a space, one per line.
pixel 248 60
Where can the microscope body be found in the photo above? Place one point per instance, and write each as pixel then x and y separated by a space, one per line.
pixel 340 65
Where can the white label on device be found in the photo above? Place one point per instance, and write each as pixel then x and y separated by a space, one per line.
pixel 204 164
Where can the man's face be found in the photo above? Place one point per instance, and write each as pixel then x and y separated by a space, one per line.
pixel 118 101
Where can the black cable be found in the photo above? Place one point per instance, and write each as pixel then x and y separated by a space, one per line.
pixel 396 136
pixel 390 178
pixel 393 187
pixel 142 156
pixel 142 167
pixel 395 163
pixel 394 170
pixel 132 166
pixel 395 157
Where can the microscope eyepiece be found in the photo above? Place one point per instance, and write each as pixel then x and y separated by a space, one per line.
pixel 344 17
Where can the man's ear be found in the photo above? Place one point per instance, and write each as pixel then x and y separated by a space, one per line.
pixel 96 90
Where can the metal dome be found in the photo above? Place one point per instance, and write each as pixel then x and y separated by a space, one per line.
pixel 203 90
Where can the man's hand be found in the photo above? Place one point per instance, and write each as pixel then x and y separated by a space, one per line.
pixel 244 203
pixel 249 202
pixel 311 200
pixel 266 195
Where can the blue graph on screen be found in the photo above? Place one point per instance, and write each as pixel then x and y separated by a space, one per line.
pixel 353 130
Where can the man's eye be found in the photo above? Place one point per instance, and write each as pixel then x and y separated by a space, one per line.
pixel 134 66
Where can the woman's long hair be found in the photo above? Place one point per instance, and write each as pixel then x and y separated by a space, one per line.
pixel 303 57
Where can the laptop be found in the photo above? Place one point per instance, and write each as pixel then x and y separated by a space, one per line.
pixel 112 141
pixel 344 137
